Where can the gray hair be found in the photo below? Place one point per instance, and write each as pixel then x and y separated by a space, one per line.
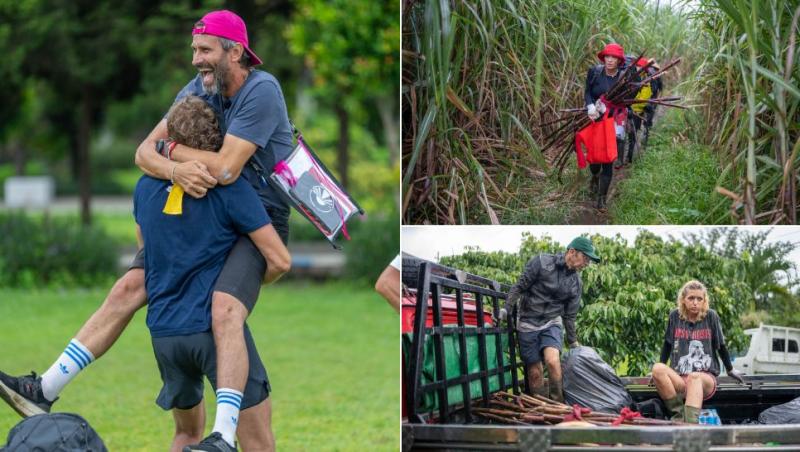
pixel 228 44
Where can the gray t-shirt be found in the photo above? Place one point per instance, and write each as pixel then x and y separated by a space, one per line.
pixel 256 113
pixel 694 344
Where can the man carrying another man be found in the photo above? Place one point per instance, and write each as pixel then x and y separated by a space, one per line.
pixel 546 299
pixel 254 121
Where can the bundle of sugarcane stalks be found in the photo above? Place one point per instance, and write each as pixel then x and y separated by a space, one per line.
pixel 524 409
pixel 622 92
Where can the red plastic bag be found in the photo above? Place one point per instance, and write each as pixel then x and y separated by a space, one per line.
pixel 600 141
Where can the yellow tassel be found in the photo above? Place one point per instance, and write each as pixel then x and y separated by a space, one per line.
pixel 174 205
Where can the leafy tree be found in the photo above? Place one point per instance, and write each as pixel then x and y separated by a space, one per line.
pixel 627 298
pixel 766 268
pixel 352 50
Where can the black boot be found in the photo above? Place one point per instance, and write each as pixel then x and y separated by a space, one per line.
pixel 556 390
pixel 601 202
pixel 593 184
pixel 540 390
pixel 631 145
pixel 605 182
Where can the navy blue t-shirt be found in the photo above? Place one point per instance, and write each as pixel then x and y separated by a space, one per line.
pixel 256 113
pixel 184 254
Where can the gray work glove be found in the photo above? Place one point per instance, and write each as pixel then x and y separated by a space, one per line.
pixel 591 110
pixel 736 375
pixel 502 315
pixel 601 107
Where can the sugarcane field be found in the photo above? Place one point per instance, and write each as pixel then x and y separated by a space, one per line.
pixel 609 112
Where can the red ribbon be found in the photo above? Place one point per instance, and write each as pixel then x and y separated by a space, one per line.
pixel 577 413
pixel 625 415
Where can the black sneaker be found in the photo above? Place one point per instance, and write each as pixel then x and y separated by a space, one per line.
pixel 24 394
pixel 212 443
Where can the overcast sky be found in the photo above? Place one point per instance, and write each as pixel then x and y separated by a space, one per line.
pixel 431 242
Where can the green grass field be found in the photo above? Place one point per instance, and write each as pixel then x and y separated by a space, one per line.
pixel 331 351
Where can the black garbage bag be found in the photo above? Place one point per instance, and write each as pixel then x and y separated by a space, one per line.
pixel 590 382
pixel 788 413
pixel 62 432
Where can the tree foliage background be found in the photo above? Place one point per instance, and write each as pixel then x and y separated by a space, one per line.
pixel 627 298
pixel 85 81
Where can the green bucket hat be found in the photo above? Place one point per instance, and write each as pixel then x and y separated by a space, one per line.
pixel 585 246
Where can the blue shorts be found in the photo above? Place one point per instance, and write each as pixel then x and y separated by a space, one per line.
pixel 532 343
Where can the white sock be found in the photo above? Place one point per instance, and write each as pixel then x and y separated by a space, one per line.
pixel 74 359
pixel 228 403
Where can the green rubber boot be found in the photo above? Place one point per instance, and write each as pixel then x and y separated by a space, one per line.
pixel 692 414
pixel 557 391
pixel 675 406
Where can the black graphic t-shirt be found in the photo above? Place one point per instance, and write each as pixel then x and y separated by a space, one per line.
pixel 694 344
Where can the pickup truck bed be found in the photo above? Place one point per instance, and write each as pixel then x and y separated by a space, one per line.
pixel 437 418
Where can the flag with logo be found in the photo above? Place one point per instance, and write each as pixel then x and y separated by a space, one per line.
pixel 314 192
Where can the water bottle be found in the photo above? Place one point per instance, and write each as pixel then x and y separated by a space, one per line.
pixel 717 420
pixel 709 417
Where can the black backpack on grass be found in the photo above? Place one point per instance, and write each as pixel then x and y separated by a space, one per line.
pixel 56 432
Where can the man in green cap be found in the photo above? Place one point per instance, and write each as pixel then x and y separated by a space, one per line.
pixel 547 297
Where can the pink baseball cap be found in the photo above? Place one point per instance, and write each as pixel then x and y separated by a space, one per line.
pixel 226 24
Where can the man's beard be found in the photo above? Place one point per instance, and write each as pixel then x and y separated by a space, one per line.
pixel 220 72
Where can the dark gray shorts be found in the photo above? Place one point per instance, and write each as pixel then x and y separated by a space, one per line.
pixel 244 269
pixel 184 360
pixel 531 344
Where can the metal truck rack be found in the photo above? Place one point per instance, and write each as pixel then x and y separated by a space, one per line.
pixel 431 279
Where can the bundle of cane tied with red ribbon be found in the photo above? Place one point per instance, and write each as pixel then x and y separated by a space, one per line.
pixel 622 94
pixel 523 409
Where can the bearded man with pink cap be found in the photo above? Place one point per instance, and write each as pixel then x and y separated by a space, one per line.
pixel 253 118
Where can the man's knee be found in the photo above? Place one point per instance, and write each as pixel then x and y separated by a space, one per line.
pixel 128 293
pixel 227 312
pixel 552 359
pixel 660 369
pixel 694 377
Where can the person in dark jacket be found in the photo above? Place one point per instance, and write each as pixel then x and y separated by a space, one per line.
pixel 693 342
pixel 599 80
pixel 657 85
pixel 546 298
pixel 642 111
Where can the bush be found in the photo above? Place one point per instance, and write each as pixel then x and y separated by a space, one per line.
pixel 53 251
pixel 375 242
pixel 627 298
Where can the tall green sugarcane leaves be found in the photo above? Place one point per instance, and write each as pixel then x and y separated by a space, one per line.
pixel 422 136
pixel 495 69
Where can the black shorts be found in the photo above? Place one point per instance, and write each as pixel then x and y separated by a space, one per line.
pixel 532 343
pixel 183 361
pixel 244 268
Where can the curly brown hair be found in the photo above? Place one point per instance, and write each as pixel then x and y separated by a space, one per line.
pixel 193 123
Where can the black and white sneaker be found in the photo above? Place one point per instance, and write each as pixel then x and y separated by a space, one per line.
pixel 212 443
pixel 24 394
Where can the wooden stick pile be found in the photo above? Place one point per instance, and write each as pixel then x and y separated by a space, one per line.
pixel 623 92
pixel 532 410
